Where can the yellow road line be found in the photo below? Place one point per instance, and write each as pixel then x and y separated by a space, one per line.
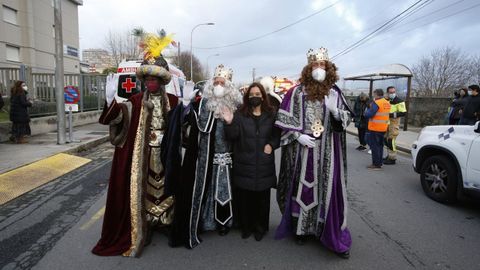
pixel 19 181
pixel 93 219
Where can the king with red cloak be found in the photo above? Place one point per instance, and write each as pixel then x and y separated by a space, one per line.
pixel 138 199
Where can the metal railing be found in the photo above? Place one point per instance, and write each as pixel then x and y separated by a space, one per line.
pixel 8 76
pixel 42 89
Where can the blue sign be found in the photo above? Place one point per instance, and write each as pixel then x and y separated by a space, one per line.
pixel 71 94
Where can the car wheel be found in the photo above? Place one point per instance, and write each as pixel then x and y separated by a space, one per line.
pixel 438 176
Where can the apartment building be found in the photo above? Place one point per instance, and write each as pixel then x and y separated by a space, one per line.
pixel 98 59
pixel 27 35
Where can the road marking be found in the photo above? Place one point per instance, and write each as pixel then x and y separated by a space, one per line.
pixel 93 219
pixel 24 179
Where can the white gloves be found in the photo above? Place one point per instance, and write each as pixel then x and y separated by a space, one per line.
pixel 331 103
pixel 111 88
pixel 306 140
pixel 188 93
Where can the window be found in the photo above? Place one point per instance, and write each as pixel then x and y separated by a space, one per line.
pixel 13 53
pixel 9 15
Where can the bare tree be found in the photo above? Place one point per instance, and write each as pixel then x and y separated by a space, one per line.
pixel 123 45
pixel 475 70
pixel 113 46
pixel 439 74
pixel 183 62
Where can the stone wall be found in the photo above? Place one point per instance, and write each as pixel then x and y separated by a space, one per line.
pixel 424 111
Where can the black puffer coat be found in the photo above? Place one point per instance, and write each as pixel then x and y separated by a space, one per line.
pixel 252 168
pixel 18 109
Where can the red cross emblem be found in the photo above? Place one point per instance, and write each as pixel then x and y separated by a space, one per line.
pixel 128 85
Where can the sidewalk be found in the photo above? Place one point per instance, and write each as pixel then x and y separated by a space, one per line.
pixel 25 167
pixel 404 140
pixel 45 145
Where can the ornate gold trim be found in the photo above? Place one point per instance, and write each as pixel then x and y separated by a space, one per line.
pixel 138 180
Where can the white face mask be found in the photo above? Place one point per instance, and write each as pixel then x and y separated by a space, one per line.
pixel 25 88
pixel 218 91
pixel 319 74
pixel 469 93
pixel 392 96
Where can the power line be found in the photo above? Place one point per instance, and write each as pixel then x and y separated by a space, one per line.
pixel 439 19
pixel 385 26
pixel 406 16
pixel 431 13
pixel 427 23
pixel 273 32
pixel 379 29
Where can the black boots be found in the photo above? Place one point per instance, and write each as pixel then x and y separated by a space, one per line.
pixel 223 230
pixel 388 161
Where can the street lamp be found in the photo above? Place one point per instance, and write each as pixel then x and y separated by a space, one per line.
pixel 208 57
pixel 191 48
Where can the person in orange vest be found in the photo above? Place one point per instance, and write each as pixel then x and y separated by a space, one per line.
pixel 378 119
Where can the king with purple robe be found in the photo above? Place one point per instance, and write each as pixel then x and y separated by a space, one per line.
pixel 311 190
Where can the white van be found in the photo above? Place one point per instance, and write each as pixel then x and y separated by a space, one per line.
pixel 128 85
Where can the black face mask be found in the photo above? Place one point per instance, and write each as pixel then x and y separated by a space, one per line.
pixel 254 101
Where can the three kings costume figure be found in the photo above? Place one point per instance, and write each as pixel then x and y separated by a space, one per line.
pixel 137 200
pixel 203 190
pixel 311 191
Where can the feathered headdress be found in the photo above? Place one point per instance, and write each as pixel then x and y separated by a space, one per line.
pixel 154 64
pixel 153 45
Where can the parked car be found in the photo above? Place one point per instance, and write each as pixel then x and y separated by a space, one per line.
pixel 448 161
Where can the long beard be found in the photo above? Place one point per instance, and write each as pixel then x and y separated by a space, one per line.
pixel 316 90
pixel 216 105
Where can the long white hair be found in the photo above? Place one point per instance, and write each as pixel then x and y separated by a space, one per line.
pixel 232 98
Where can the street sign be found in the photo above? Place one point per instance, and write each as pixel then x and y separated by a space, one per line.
pixel 72 97
pixel 71 94
pixel 71 107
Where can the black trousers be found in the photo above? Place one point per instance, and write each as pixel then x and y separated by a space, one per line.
pixel 361 136
pixel 253 210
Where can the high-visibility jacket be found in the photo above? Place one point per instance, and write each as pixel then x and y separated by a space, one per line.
pixel 379 122
pixel 398 108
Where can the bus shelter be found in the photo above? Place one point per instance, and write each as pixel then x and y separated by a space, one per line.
pixel 392 71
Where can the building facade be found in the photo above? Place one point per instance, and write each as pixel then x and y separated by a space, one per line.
pixel 27 35
pixel 98 59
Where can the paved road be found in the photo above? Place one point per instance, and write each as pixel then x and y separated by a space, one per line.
pixel 393 225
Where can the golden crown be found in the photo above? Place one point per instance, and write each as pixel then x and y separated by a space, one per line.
pixel 317 55
pixel 223 72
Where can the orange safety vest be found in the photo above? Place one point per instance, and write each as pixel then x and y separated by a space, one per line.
pixel 379 122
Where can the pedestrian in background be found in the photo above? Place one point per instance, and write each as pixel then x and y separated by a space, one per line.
pixel 19 112
pixel 378 119
pixel 458 106
pixel 397 109
pixel 254 140
pixel 361 123
pixel 471 112
pixel 2 103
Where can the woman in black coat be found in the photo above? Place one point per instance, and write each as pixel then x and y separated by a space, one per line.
pixel 19 113
pixel 254 139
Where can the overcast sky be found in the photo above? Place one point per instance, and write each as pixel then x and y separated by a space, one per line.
pixel 438 24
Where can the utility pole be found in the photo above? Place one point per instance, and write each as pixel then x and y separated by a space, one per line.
pixel 178 55
pixel 61 136
pixel 253 75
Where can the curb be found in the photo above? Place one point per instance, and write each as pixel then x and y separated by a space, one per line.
pixel 87 146
pixel 399 147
